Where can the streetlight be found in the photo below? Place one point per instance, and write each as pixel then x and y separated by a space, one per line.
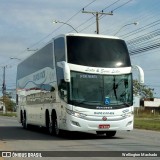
pixel 4 87
pixel 28 49
pixel 66 24
pixel 135 23
pixel 15 58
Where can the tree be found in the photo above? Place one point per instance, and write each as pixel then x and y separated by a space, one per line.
pixel 9 104
pixel 142 90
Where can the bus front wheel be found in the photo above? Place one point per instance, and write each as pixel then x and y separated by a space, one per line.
pixel 53 126
pixel 56 131
pixel 50 127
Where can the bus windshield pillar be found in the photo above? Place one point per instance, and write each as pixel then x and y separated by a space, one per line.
pixel 66 70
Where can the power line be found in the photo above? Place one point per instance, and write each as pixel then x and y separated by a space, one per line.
pixel 102 15
pixel 97 14
pixel 144 37
pixel 111 5
pixel 150 25
pixel 122 5
pixel 115 8
pixel 142 17
pixel 55 30
pixel 144 44
pixel 93 17
pixel 144 49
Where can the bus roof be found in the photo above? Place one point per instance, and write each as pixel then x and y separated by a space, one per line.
pixel 86 35
pixel 74 34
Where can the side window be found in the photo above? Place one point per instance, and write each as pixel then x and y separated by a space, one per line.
pixel 59 50
pixel 62 88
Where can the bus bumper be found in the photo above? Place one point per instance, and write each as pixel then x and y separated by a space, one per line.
pixel 79 124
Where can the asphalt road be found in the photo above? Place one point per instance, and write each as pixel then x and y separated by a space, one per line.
pixel 14 138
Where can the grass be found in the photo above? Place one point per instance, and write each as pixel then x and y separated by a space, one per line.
pixel 9 114
pixel 149 124
pixel 147 121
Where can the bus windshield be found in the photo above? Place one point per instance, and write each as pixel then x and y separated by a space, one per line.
pixel 97 52
pixel 100 91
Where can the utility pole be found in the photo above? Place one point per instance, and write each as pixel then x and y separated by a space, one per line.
pixel 4 87
pixel 4 83
pixel 97 14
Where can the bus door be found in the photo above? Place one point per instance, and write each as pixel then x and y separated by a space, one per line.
pixel 63 93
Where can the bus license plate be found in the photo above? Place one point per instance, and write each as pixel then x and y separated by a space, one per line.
pixel 101 126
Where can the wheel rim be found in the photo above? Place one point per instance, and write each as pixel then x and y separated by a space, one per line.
pixel 24 123
pixel 56 128
pixel 50 128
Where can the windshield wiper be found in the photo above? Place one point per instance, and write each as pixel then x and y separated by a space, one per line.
pixel 127 104
pixel 115 86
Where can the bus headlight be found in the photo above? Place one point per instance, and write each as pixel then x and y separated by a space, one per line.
pixel 76 114
pixel 129 114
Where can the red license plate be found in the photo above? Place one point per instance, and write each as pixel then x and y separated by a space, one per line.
pixel 101 126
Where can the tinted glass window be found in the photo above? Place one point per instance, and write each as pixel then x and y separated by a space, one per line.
pixel 41 59
pixel 59 50
pixel 97 52
pixel 101 91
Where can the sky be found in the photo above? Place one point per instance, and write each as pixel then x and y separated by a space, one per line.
pixel 28 24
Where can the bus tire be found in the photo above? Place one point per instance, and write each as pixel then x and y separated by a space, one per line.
pixel 48 123
pixel 24 121
pixel 110 134
pixel 50 128
pixel 21 117
pixel 56 131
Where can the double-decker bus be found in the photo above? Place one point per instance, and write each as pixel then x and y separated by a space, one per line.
pixel 77 82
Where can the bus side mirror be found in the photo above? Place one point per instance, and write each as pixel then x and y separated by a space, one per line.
pixel 66 70
pixel 141 73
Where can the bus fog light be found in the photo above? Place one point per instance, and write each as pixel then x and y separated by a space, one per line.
pixel 129 123
pixel 75 123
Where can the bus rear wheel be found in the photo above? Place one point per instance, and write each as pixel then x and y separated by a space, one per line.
pixel 24 121
pixel 53 126
pixel 49 125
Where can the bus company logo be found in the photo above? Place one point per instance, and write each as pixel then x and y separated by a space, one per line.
pixel 126 110
pixel 115 71
pixel 104 113
pixel 104 118
pixel 39 76
pixel 105 71
pixel 90 69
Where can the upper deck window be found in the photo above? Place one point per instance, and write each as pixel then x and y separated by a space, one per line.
pixel 39 60
pixel 97 52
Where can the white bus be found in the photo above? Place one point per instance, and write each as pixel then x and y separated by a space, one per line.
pixel 77 82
